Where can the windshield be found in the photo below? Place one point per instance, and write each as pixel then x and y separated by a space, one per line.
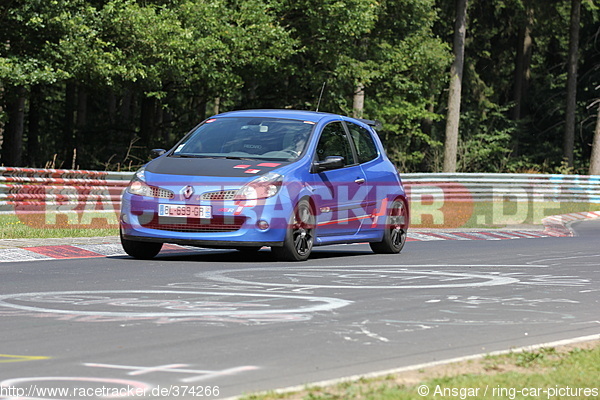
pixel 247 137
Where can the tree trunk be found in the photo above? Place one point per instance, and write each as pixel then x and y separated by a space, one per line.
pixel 80 126
pixel 569 139
pixel 33 126
pixel 595 159
pixel 358 104
pixel 69 123
pixel 1 111
pixel 12 146
pixel 454 96
pixel 125 113
pixel 217 106
pixel 199 108
pixel 522 64
pixel 112 109
pixel 148 118
pixel 159 118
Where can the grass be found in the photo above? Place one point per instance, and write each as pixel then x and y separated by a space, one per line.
pixel 26 226
pixel 548 373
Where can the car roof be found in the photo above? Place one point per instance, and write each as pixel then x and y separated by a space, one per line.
pixel 311 116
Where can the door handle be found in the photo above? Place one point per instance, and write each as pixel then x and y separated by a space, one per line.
pixel 360 181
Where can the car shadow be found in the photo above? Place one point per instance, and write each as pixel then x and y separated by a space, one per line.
pixel 262 256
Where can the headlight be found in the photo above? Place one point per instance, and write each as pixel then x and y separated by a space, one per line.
pixel 138 184
pixel 262 187
pixel 139 187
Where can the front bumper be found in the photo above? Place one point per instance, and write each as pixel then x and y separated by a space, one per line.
pixel 233 223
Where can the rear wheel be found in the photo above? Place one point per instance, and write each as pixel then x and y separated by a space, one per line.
pixel 140 250
pixel 299 238
pixel 396 227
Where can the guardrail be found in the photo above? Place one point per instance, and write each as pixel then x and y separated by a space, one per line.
pixel 55 190
pixel 47 190
pixel 497 187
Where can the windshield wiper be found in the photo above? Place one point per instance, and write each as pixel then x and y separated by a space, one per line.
pixel 238 158
pixel 187 155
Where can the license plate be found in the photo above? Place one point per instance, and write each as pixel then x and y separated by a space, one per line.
pixel 172 210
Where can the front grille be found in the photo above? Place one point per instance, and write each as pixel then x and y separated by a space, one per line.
pixel 161 193
pixel 178 224
pixel 221 195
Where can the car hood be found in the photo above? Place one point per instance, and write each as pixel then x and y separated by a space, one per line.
pixel 219 167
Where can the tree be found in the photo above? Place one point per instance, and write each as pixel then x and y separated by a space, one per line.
pixel 570 117
pixel 12 148
pixel 358 103
pixel 22 62
pixel 595 158
pixel 454 96
pixel 523 59
pixel 113 71
pixel 95 83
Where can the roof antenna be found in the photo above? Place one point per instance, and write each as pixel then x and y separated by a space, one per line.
pixel 320 96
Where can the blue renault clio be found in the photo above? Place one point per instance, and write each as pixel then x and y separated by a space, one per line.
pixel 286 179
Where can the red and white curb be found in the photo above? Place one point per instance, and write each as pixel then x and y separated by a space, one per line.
pixel 63 252
pixel 561 223
pixel 554 226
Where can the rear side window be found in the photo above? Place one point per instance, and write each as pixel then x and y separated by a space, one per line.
pixel 363 142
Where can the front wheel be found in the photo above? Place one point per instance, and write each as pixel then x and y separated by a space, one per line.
pixel 140 250
pixel 396 227
pixel 299 237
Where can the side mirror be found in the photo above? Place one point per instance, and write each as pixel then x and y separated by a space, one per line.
pixel 157 152
pixel 330 162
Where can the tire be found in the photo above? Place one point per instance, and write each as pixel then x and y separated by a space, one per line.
pixel 396 227
pixel 140 250
pixel 299 237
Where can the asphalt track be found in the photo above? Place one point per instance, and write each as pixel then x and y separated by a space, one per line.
pixel 190 322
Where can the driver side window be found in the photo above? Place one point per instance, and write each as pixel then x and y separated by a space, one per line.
pixel 334 142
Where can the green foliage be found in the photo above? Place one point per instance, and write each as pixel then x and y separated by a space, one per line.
pixel 527 358
pixel 485 140
pixel 113 78
pixel 535 142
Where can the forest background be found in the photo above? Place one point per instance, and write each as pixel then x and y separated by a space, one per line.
pixel 95 84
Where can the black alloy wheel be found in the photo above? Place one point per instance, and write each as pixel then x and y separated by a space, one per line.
pixel 396 227
pixel 299 238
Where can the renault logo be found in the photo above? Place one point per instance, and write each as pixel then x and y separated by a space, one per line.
pixel 187 192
